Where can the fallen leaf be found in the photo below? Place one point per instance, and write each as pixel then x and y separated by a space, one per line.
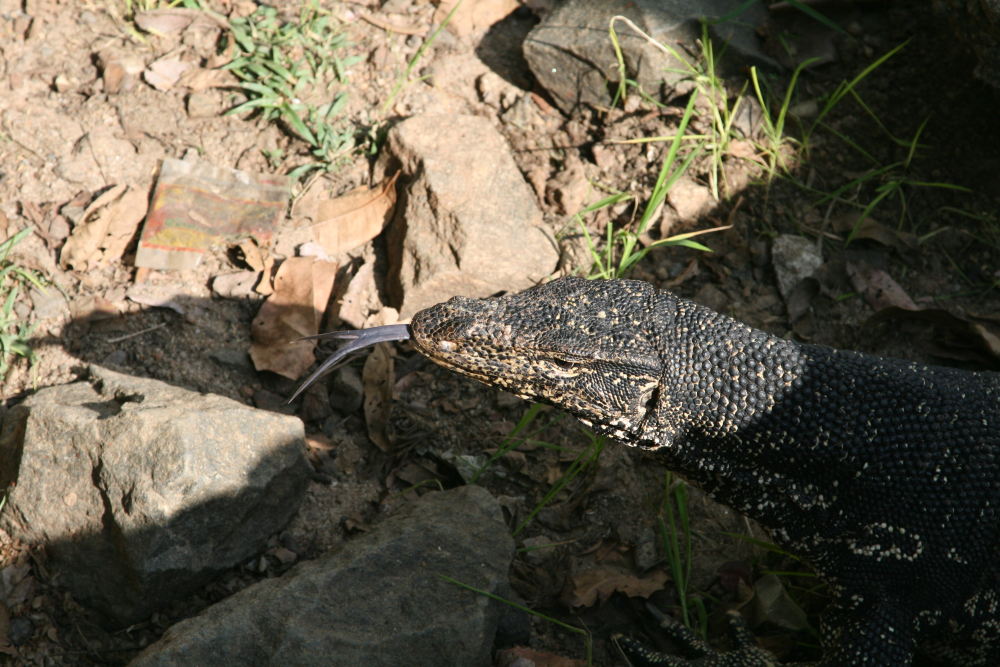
pixel 872 230
pixel 745 150
pixel 302 287
pixel 164 21
pixel 201 78
pixel 771 603
pixel 176 19
pixel 237 284
pixel 265 287
pixel 377 379
pixel 119 69
pixel 105 229
pixel 252 254
pixel 163 74
pixel 586 588
pixel 318 447
pixel 156 295
pixel 416 473
pixel 350 220
pixel 92 308
pixel 878 287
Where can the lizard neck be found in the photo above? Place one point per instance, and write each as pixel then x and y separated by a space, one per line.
pixel 785 432
pixel 798 436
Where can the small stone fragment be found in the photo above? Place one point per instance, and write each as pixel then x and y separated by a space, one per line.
pixel 795 258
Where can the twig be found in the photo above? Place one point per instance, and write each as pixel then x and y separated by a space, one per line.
pixel 119 339
pixel 391 27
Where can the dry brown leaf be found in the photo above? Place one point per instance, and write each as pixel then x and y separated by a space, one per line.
pixel 350 220
pixel 92 308
pixel 120 70
pixel 744 149
pixel 265 287
pixel 318 447
pixel 200 78
pixel 872 230
pixel 261 261
pixel 377 381
pixel 176 19
pixel 252 254
pixel 237 284
pixel 586 588
pixel 772 603
pixel 302 287
pixel 157 295
pixel 878 287
pixel 416 473
pixel 163 74
pixel 319 443
pixel 105 229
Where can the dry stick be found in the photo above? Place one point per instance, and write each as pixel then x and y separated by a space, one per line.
pixel 391 27
pixel 119 339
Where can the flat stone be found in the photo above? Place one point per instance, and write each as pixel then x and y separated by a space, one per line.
pixel 467 222
pixel 142 491
pixel 381 600
pixel 572 57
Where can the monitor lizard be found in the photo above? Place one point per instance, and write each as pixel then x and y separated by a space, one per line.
pixel 883 474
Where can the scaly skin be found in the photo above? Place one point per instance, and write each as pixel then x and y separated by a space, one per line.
pixel 883 474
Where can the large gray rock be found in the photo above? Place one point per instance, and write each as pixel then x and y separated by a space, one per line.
pixel 571 55
pixel 467 222
pixel 142 491
pixel 381 600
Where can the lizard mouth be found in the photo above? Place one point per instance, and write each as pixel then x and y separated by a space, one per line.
pixel 358 339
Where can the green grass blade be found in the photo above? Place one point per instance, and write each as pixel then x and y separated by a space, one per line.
pixel 816 16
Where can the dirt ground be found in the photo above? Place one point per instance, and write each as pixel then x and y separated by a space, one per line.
pixel 64 139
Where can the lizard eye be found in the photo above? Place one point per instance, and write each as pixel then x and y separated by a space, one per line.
pixel 566 361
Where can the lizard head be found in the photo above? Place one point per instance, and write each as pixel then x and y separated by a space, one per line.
pixel 581 345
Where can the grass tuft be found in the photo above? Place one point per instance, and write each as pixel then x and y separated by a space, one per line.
pixel 14 335
pixel 280 64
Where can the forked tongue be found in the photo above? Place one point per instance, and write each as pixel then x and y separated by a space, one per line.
pixel 358 340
